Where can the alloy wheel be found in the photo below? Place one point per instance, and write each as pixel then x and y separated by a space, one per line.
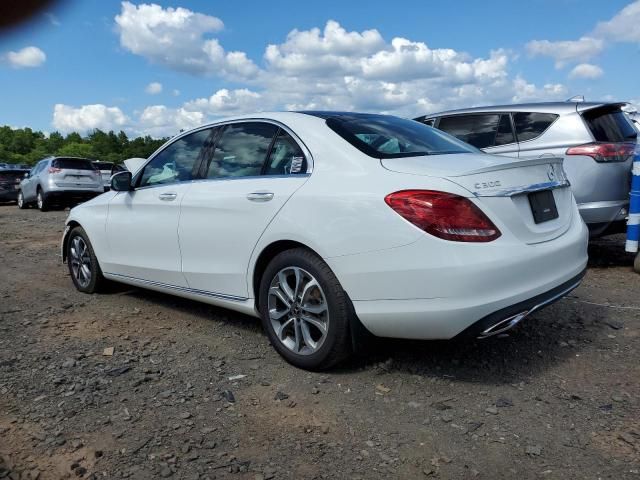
pixel 39 200
pixel 20 200
pixel 298 310
pixel 80 261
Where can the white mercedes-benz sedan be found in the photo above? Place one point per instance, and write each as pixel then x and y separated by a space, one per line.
pixel 331 225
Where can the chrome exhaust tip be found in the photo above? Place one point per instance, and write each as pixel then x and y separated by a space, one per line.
pixel 503 325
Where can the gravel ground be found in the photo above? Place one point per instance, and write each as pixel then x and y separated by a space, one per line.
pixel 196 392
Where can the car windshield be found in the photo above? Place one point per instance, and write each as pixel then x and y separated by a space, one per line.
pixel 386 136
pixel 73 163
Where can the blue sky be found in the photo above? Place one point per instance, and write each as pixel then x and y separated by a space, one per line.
pixel 153 68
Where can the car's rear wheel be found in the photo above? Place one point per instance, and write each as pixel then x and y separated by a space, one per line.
pixel 305 311
pixel 21 203
pixel 83 263
pixel 42 201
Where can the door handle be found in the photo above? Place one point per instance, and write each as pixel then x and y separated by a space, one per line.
pixel 168 197
pixel 260 196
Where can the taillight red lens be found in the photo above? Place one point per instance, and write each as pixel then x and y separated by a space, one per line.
pixel 604 152
pixel 443 215
pixel 54 170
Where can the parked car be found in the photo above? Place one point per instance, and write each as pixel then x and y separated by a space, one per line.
pixel 595 140
pixel 327 223
pixel 10 183
pixel 3 166
pixel 106 170
pixel 60 181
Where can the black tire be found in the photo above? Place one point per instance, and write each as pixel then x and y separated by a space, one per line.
pixel 42 201
pixel 337 345
pixel 21 203
pixel 96 280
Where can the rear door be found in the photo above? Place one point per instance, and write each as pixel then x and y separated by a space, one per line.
pixel 491 132
pixel 255 169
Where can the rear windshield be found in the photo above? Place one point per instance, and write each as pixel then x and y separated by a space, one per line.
pixel 609 124
pixel 103 165
pixel 75 163
pixel 385 136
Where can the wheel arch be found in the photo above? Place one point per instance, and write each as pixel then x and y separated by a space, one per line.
pixel 266 255
pixel 65 238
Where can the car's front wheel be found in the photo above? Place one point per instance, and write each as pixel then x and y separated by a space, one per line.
pixel 305 311
pixel 83 263
pixel 21 203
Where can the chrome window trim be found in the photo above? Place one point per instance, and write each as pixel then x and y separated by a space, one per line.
pixel 303 146
pixel 203 293
pixel 222 179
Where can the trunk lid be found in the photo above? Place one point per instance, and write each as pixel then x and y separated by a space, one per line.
pixel 504 188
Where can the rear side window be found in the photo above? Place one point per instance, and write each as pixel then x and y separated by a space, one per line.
pixel 385 136
pixel 479 130
pixel 286 157
pixel 609 124
pixel 241 150
pixel 530 125
pixel 72 163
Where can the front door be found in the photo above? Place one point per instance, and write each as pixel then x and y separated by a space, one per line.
pixel 142 225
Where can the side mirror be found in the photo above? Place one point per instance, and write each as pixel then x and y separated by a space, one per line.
pixel 121 182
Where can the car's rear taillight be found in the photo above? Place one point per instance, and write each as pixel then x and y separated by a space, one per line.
pixel 54 170
pixel 604 152
pixel 443 215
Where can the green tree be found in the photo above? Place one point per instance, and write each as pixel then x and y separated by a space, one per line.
pixel 75 149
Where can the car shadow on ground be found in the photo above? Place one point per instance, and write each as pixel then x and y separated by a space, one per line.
pixel 545 339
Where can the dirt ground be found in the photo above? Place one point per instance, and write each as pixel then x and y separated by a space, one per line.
pixel 197 392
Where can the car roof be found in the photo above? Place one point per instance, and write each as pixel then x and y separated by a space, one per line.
pixel 540 107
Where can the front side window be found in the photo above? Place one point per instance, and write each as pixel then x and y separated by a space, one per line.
pixel 530 125
pixel 385 136
pixel 177 162
pixel 241 150
pixel 286 157
pixel 479 130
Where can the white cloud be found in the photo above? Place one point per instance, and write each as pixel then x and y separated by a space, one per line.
pixel 153 88
pixel 53 20
pixel 586 70
pixel 87 117
pixel 567 50
pixel 624 26
pixel 177 38
pixel 226 102
pixel 176 92
pixel 26 58
pixel 161 121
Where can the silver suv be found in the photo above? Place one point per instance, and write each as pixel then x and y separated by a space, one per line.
pixel 60 181
pixel 596 141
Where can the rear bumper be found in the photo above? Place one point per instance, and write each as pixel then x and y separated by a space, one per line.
pixel 507 318
pixel 599 215
pixel 427 291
